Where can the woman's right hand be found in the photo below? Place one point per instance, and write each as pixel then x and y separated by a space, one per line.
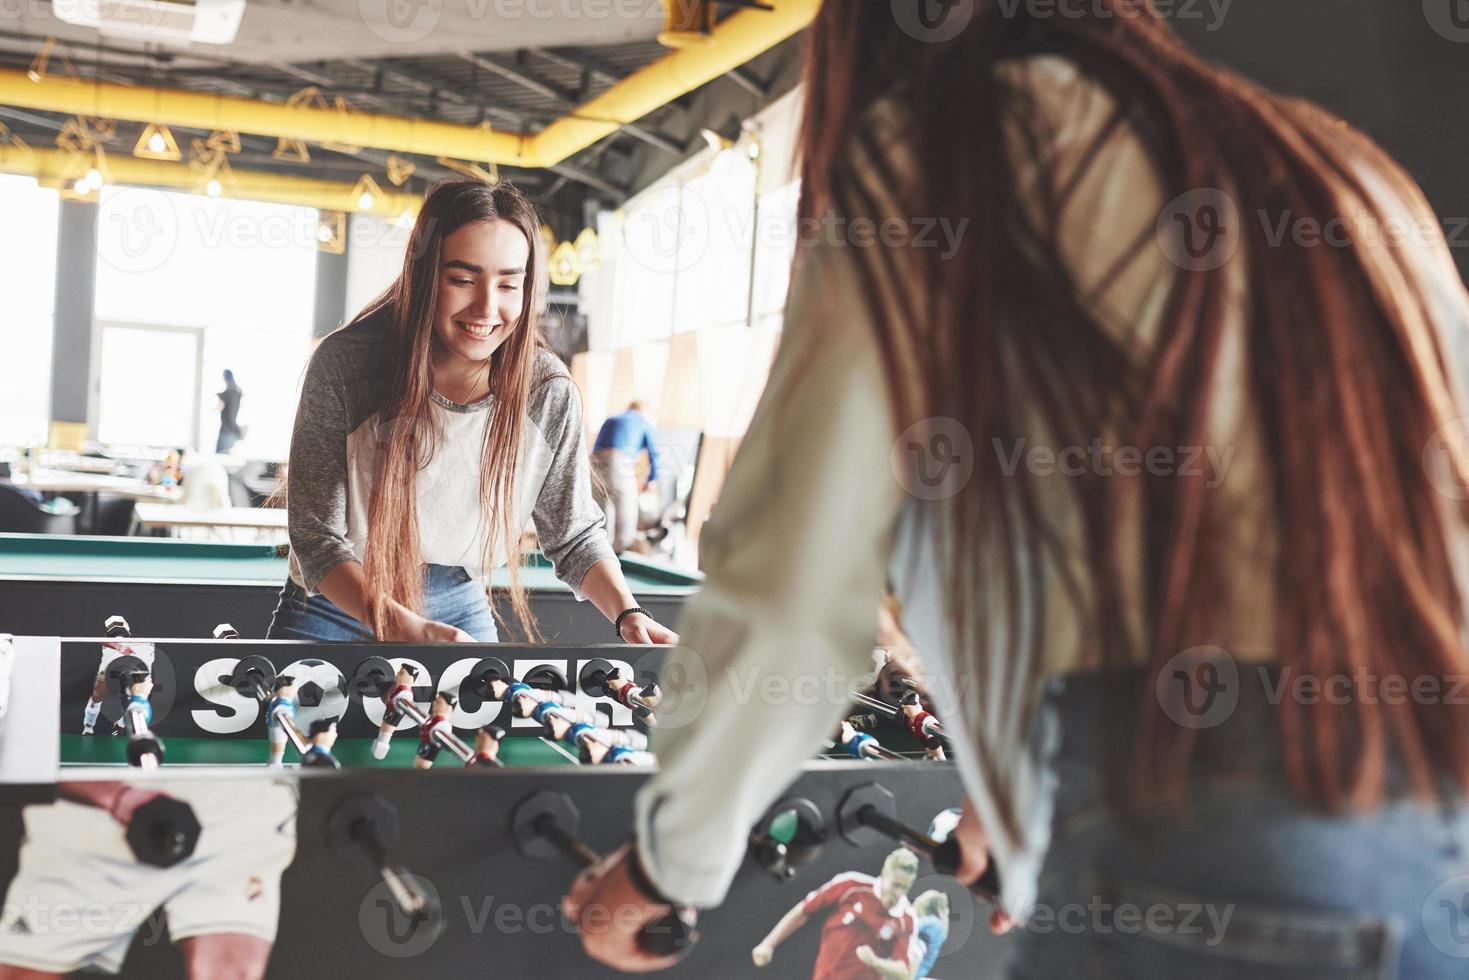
pixel 974 851
pixel 407 626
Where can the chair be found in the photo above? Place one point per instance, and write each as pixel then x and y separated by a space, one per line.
pixel 109 514
pixel 19 514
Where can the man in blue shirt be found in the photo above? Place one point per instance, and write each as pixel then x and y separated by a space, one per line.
pixel 614 460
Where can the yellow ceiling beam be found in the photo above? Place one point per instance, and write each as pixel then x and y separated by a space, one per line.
pixel 211 112
pixel 736 40
pixel 58 168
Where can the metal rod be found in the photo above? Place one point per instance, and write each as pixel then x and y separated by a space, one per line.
pixel 871 816
pixel 447 740
pixel 288 725
pixel 550 828
pixel 874 703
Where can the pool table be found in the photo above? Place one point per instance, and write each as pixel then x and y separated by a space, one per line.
pixel 52 585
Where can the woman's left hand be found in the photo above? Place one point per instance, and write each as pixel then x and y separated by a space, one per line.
pixel 610 912
pixel 640 629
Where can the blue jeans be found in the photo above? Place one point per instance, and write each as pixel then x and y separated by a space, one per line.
pixel 450 596
pixel 1244 883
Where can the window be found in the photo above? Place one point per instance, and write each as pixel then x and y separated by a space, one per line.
pixel 148 381
pixel 28 258
pixel 203 285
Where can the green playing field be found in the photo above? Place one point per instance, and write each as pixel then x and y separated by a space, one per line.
pixel 104 750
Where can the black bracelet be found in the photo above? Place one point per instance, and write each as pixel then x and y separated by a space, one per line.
pixel 617 624
pixel 641 881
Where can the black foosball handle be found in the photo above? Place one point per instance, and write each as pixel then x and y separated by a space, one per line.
pixel 672 935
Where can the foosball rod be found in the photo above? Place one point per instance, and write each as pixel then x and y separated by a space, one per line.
pixel 869 806
pixel 539 817
pixel 446 740
pixel 250 668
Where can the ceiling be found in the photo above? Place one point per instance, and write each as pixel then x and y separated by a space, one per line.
pixel 500 62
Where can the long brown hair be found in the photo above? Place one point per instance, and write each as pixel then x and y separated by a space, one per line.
pixel 1343 368
pixel 393 563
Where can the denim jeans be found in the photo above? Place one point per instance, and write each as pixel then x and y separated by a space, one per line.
pixel 450 596
pixel 1245 883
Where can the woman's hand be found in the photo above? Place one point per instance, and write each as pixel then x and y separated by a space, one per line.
pixel 610 912
pixel 974 859
pixel 407 626
pixel 642 629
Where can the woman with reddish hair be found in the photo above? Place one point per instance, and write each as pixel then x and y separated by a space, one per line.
pixel 1157 486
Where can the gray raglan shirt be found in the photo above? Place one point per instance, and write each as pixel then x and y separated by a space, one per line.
pixel 334 461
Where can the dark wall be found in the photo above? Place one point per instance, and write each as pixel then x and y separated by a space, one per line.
pixel 1397 69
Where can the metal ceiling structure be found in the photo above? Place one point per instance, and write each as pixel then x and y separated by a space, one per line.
pixel 604 115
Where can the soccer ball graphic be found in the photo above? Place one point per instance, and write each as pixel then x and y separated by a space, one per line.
pixel 321 690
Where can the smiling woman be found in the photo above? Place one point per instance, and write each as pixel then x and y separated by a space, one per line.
pixel 430 430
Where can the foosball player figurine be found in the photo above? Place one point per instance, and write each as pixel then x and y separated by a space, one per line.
pixel 438 721
pixel 922 725
pixel 599 745
pixel 487 746
pixel 860 745
pixel 642 700
pixel 323 737
pixel 392 709
pixel 139 686
pixel 524 700
pixel 120 645
pixel 280 711
pixel 137 718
